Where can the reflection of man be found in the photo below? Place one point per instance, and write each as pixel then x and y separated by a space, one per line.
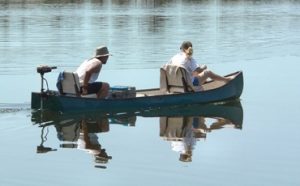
pixel 179 130
pixel 197 129
pixel 185 148
pixel 188 141
pixel 88 141
pixel 201 125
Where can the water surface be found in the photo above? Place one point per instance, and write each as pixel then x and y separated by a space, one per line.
pixel 259 37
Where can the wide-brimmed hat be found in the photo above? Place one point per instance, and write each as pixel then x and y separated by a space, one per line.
pixel 101 51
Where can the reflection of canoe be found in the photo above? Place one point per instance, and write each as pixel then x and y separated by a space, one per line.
pixel 48 117
pixel 232 111
pixel 144 99
pixel 196 121
pixel 175 123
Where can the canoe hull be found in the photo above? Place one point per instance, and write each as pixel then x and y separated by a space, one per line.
pixel 53 101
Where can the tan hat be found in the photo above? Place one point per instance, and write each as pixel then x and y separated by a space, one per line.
pixel 101 51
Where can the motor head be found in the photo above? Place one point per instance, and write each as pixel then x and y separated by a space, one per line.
pixel 44 69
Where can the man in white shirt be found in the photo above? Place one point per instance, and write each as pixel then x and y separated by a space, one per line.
pixel 199 74
pixel 89 71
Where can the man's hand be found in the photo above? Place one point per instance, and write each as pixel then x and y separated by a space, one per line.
pixel 84 91
pixel 201 68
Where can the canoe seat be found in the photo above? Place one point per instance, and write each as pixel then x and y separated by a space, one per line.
pixel 175 79
pixel 70 85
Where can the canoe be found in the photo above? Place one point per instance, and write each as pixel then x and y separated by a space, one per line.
pixel 214 91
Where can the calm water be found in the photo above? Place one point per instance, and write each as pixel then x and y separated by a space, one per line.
pixel 259 37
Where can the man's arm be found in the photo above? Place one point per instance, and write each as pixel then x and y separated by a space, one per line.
pixel 199 69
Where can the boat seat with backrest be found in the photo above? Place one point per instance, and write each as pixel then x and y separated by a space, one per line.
pixel 175 79
pixel 70 85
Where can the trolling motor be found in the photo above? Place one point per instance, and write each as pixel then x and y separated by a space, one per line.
pixel 42 70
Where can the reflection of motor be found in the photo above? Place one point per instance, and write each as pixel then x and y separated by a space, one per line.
pixel 45 69
pixel 42 149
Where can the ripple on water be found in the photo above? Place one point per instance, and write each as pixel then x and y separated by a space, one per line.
pixel 12 108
